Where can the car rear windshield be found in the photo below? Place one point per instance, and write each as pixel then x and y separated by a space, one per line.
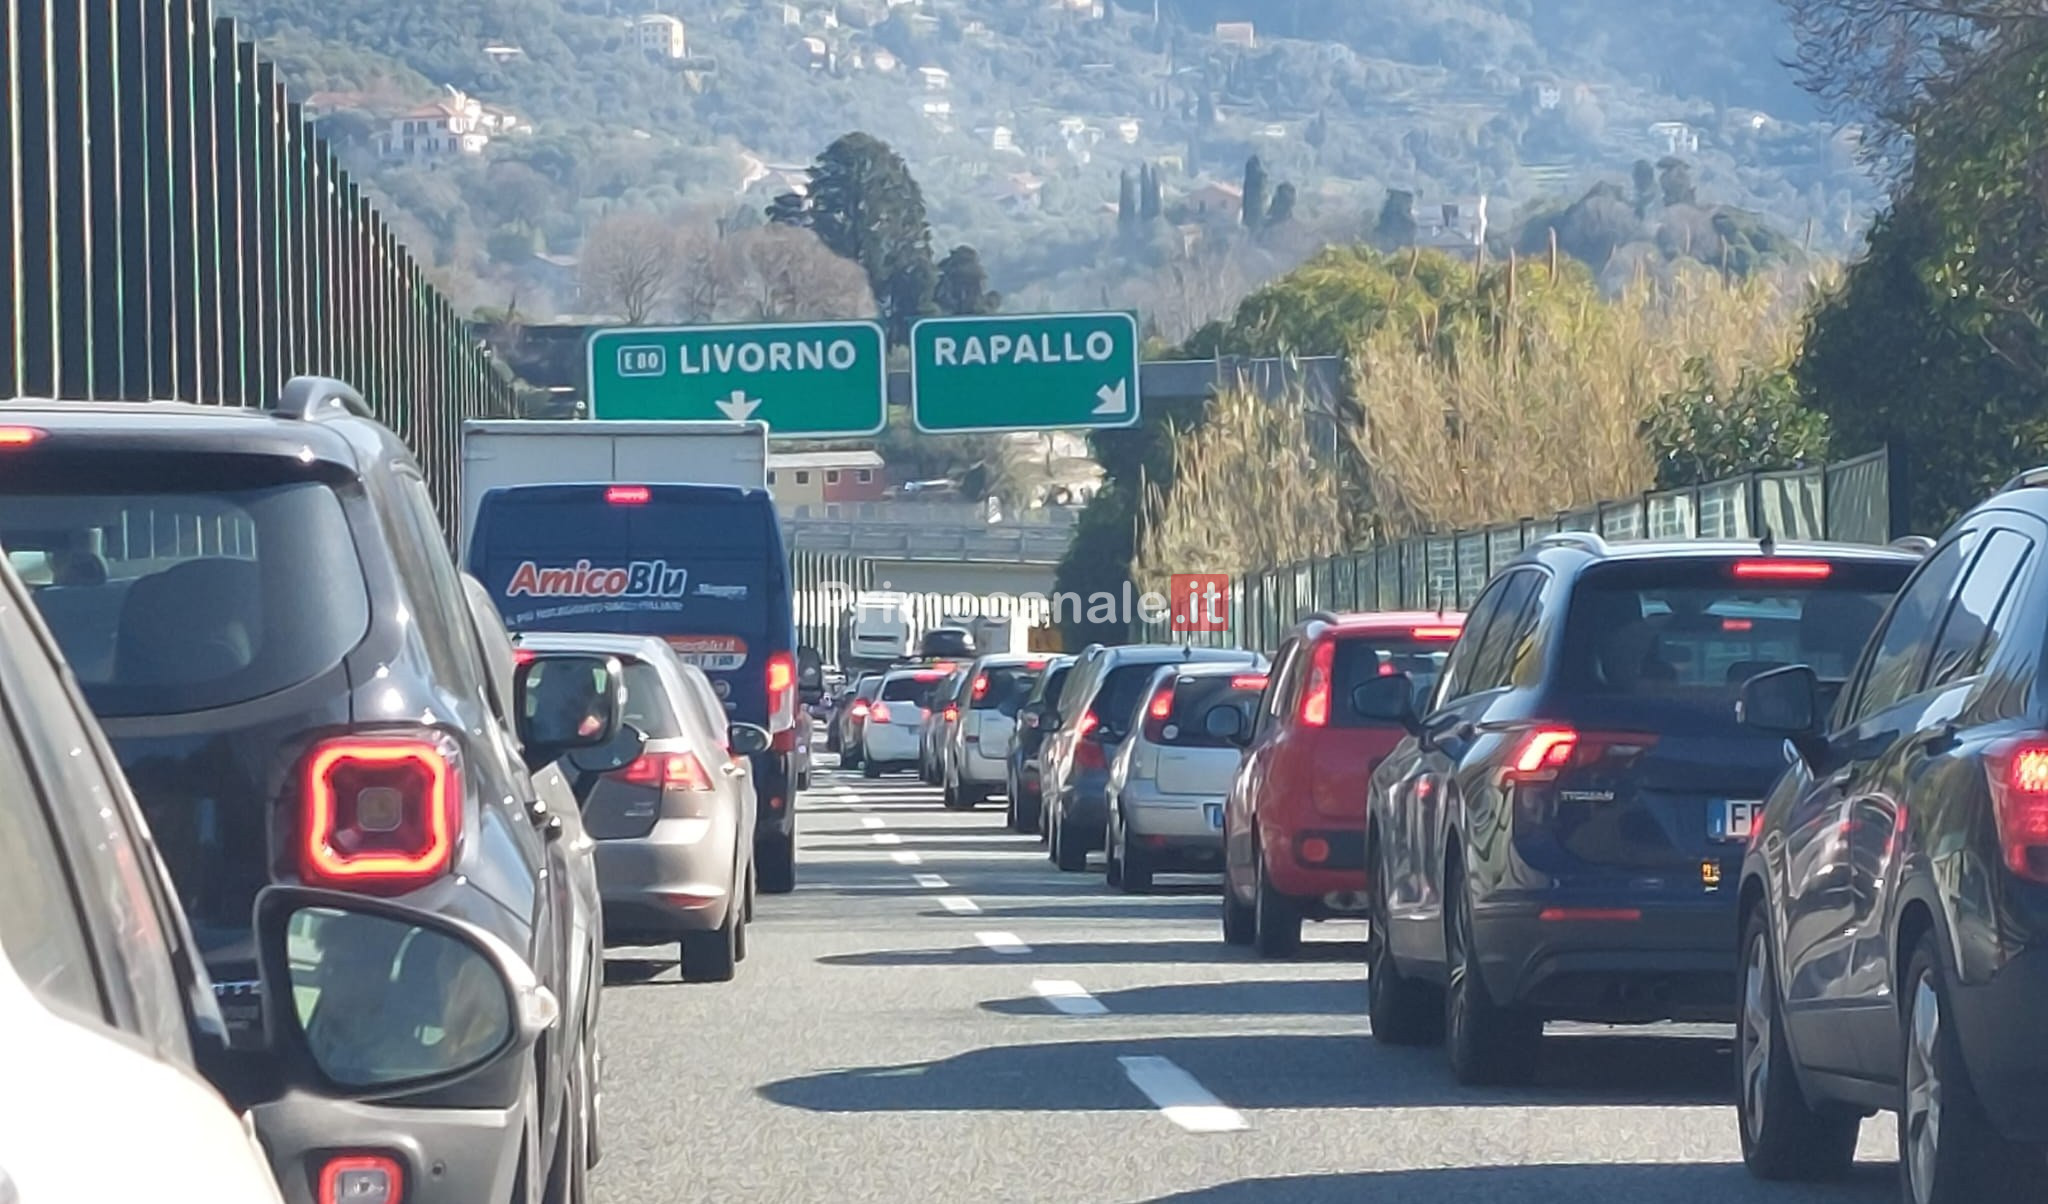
pixel 908 689
pixel 1358 657
pixel 1007 687
pixel 1122 690
pixel 170 596
pixel 1195 697
pixel 867 687
pixel 1685 634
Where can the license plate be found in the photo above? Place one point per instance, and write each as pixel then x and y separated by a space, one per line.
pixel 1213 812
pixel 1732 819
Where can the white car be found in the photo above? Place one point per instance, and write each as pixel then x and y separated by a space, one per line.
pixel 894 728
pixel 1168 782
pixel 974 765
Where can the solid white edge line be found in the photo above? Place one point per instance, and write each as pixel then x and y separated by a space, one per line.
pixel 1068 997
pixel 1184 1101
pixel 906 857
pixel 929 881
pixel 1002 942
pixel 960 905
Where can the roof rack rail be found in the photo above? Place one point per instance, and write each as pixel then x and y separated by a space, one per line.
pixel 1320 616
pixel 1918 544
pixel 311 398
pixel 2032 478
pixel 1586 541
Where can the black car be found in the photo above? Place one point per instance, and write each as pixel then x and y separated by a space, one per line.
pixel 1558 837
pixel 1026 805
pixel 262 612
pixel 92 932
pixel 1895 897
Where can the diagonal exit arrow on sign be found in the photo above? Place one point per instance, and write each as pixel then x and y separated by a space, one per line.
pixel 1114 399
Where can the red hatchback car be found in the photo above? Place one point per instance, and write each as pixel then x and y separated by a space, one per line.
pixel 1294 824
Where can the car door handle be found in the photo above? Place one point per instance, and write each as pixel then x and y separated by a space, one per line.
pixel 732 769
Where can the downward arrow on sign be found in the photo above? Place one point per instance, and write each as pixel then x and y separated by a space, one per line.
pixel 739 407
pixel 1115 399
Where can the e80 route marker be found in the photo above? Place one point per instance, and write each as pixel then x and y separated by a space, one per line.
pixel 802 379
pixel 1024 372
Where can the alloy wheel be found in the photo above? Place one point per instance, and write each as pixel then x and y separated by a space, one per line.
pixel 1922 1121
pixel 1754 1038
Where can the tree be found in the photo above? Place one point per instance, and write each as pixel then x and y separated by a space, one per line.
pixel 867 207
pixel 1282 210
pixel 1318 132
pixel 775 273
pixel 1709 429
pixel 1645 180
pixel 962 287
pixel 1151 206
pixel 1254 192
pixel 1674 177
pixel 629 266
pixel 1396 227
pixel 787 210
pixel 1126 201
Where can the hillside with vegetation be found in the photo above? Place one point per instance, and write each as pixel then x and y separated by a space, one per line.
pixel 1091 153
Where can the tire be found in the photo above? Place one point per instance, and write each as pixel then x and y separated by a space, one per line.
pixel 1276 918
pixel 1784 1137
pixel 1068 852
pixel 1489 1045
pixel 1238 918
pixel 870 770
pixel 568 1180
pixel 955 799
pixel 1960 1158
pixel 775 864
pixel 713 956
pixel 849 756
pixel 1134 864
pixel 1112 861
pixel 739 936
pixel 1403 1010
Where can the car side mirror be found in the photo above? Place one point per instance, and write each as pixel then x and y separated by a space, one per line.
pixel 568 703
pixel 1388 699
pixel 1225 723
pixel 366 998
pixel 748 739
pixel 1783 702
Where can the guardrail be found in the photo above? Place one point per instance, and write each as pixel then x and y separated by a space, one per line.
pixel 1853 501
pixel 181 232
pixel 913 541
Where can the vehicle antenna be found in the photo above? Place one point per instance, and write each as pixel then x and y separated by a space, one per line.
pixel 1769 542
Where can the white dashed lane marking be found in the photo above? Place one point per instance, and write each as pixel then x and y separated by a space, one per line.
pixel 959 905
pixel 872 821
pixel 1002 942
pixel 1176 1093
pixel 888 838
pixel 1068 997
pixel 906 857
pixel 930 881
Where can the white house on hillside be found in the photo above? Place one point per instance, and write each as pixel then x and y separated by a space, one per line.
pixel 456 124
pixel 662 35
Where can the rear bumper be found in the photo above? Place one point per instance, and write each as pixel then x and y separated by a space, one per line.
pixel 677 879
pixel 1085 801
pixel 1674 962
pixel 775 782
pixel 978 769
pixel 1340 871
pixel 885 743
pixel 449 1155
pixel 1182 818
pixel 1998 1023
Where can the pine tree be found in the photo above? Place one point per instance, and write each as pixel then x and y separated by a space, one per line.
pixel 788 210
pixel 1282 209
pixel 1151 205
pixel 1126 201
pixel 963 285
pixel 1254 193
pixel 867 207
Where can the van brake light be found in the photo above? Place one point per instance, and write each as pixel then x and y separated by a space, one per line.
pixel 379 814
pixel 628 495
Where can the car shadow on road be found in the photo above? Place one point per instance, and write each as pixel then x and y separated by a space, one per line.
pixel 1270 1071
pixel 1281 997
pixel 1672 1183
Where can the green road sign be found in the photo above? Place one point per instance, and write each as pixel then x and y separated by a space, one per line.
pixel 810 379
pixel 1018 372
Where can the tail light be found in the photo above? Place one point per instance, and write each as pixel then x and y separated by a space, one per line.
pixel 879 712
pixel 379 813
pixel 781 691
pixel 1782 570
pixel 952 712
pixel 1445 632
pixel 20 436
pixel 628 495
pixel 858 710
pixel 1087 753
pixel 980 686
pixel 524 656
pixel 1249 681
pixel 2018 771
pixel 1315 699
pixel 1157 712
pixel 1542 755
pixel 362 1179
pixel 669 771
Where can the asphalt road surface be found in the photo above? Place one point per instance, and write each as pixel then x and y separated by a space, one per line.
pixel 937 1014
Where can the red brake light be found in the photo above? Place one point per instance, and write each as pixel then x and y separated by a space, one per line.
pixel 20 436
pixel 677 771
pixel 2018 771
pixel 858 710
pixel 879 712
pixel 379 813
pixel 1315 699
pixel 628 495
pixel 1089 723
pixel 1087 753
pixel 980 686
pixel 1162 703
pixel 928 675
pixel 1737 625
pixel 1248 681
pixel 362 1179
pixel 781 691
pixel 1035 664
pixel 1783 570
pixel 952 711
pixel 1544 752
pixel 1446 632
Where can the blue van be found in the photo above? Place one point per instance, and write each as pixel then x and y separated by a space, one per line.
pixel 701 566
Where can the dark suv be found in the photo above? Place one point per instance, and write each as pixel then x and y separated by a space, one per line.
pixel 1895 896
pixel 1560 834
pixel 262 612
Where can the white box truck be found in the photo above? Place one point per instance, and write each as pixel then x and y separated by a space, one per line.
pixel 517 451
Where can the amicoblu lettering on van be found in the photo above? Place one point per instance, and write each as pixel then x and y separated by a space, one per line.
pixel 639 579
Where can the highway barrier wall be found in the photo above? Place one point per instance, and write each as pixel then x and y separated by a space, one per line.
pixel 175 229
pixel 1855 501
